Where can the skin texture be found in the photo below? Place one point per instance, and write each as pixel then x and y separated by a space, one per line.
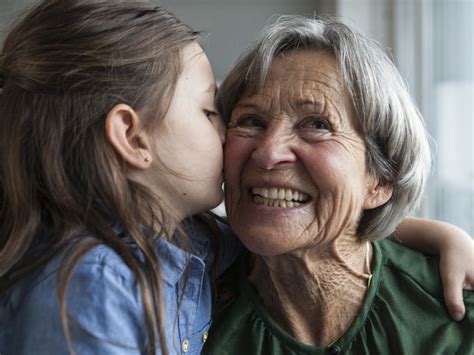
pixel 298 132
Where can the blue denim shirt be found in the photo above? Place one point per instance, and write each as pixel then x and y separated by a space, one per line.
pixel 105 305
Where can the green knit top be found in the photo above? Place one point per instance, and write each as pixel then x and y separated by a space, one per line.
pixel 403 313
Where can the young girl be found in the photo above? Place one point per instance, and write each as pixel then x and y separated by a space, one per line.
pixel 109 139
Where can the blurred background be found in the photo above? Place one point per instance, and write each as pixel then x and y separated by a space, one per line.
pixel 431 42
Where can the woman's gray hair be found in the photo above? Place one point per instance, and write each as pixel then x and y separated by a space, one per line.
pixel 398 151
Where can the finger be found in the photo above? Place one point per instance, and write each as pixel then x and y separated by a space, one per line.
pixel 453 285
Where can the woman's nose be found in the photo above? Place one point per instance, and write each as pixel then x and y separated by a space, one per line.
pixel 274 149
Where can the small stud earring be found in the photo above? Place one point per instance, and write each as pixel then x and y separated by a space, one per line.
pixel 147 159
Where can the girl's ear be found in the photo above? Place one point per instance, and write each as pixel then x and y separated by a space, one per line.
pixel 377 195
pixel 122 129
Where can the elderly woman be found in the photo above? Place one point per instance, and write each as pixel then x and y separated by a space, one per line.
pixel 326 153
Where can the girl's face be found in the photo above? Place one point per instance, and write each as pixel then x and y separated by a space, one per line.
pixel 190 140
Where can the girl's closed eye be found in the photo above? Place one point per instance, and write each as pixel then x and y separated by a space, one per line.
pixel 210 113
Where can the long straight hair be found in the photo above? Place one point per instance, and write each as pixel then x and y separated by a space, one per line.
pixel 63 67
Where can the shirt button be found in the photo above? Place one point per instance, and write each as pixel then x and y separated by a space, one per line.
pixel 185 345
pixel 204 336
pixel 334 350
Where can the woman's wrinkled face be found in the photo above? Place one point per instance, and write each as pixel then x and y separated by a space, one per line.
pixel 294 161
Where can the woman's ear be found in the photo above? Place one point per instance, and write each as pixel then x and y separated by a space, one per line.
pixel 122 129
pixel 377 195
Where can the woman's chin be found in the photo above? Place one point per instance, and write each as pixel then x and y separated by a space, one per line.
pixel 265 247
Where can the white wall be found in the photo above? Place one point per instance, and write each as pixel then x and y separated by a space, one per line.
pixel 9 10
pixel 231 25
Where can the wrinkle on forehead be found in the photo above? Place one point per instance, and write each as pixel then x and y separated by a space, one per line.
pixel 313 77
pixel 290 95
pixel 318 64
pixel 307 80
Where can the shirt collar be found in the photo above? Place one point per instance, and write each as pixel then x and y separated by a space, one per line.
pixel 173 261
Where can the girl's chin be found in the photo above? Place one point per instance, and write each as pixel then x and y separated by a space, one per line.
pixel 215 203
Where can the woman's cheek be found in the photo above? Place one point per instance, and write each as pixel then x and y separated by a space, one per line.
pixel 237 151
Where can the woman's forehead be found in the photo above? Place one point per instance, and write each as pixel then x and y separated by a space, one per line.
pixel 315 64
pixel 301 75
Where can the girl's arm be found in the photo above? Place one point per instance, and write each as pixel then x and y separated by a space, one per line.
pixel 456 250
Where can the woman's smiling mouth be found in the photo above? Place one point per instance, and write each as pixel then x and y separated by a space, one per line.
pixel 279 197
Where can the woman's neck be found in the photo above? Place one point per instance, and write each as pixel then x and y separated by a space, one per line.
pixel 314 294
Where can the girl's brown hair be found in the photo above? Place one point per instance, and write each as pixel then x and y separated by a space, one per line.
pixel 62 69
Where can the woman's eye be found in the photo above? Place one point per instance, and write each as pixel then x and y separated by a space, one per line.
pixel 316 122
pixel 249 121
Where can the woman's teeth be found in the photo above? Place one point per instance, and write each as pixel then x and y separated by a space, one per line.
pixel 278 197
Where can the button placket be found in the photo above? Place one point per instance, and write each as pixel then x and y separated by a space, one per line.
pixel 190 291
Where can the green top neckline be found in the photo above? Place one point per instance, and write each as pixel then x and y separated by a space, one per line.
pixel 249 293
